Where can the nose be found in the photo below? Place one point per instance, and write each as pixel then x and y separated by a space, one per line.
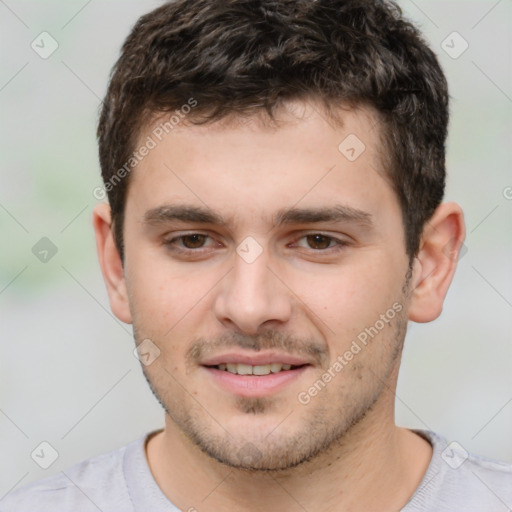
pixel 252 295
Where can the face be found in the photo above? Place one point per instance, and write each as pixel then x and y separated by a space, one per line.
pixel 268 268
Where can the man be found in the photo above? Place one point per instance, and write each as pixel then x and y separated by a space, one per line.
pixel 275 172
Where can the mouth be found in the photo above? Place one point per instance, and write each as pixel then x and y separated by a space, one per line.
pixel 251 375
pixel 256 370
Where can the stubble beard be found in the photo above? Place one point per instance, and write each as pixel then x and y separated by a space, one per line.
pixel 321 429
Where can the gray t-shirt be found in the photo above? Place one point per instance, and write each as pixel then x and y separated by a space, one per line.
pixel 121 481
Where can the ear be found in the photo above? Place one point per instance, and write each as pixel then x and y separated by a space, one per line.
pixel 435 264
pixel 110 263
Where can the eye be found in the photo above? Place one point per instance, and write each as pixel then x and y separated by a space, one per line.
pixel 322 243
pixel 318 241
pixel 194 241
pixel 190 242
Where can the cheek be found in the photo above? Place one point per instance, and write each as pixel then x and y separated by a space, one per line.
pixel 161 288
pixel 344 300
pixel 169 306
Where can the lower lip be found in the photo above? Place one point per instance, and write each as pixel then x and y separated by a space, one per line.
pixel 254 385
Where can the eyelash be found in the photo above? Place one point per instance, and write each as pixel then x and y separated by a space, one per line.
pixel 340 244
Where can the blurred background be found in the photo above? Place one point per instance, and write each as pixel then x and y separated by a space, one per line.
pixel 68 376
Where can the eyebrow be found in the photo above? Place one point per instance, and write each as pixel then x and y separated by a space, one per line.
pixel 284 216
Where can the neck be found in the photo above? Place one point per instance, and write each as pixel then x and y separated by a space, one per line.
pixel 375 466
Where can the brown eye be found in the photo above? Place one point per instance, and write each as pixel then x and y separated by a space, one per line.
pixel 194 241
pixel 318 241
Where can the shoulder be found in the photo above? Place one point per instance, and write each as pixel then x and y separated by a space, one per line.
pixel 458 480
pixel 90 485
pixel 486 477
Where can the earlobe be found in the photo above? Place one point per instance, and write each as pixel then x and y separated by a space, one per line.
pixel 110 263
pixel 436 261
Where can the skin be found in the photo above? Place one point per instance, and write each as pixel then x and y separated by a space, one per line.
pixel 307 296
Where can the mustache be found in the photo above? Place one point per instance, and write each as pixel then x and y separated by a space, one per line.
pixel 308 348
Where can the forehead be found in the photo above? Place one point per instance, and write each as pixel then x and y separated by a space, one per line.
pixel 255 165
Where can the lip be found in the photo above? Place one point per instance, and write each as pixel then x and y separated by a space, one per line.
pixel 254 359
pixel 254 385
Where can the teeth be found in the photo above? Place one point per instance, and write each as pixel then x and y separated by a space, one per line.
pixel 247 369
pixel 275 367
pixel 244 369
pixel 262 369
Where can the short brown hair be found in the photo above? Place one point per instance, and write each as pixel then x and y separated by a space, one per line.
pixel 238 56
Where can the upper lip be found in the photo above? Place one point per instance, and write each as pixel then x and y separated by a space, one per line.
pixel 254 359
